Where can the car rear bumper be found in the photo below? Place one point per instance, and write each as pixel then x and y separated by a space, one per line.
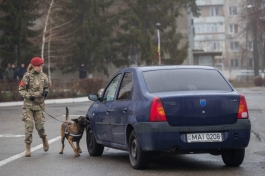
pixel 160 136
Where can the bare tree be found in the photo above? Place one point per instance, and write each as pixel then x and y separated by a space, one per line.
pixel 254 13
pixel 43 39
pixel 55 36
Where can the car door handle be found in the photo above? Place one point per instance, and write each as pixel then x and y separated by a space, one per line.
pixel 107 112
pixel 124 110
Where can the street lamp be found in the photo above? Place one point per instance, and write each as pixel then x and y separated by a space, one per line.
pixel 158 43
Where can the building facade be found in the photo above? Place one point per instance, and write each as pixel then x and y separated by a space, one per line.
pixel 221 28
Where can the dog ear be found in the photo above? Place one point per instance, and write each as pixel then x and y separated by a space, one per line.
pixel 75 120
pixel 85 119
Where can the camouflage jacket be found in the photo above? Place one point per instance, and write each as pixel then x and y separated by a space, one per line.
pixel 33 84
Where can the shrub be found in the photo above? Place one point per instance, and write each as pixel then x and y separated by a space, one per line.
pixel 259 81
pixel 58 89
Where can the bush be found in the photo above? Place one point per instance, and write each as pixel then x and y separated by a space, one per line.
pixel 58 89
pixel 259 81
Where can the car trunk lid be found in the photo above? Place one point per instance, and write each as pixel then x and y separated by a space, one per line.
pixel 201 109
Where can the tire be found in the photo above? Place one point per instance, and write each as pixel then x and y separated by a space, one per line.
pixel 139 159
pixel 94 149
pixel 233 157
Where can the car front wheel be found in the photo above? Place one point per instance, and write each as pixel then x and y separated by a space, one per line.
pixel 233 157
pixel 138 158
pixel 94 149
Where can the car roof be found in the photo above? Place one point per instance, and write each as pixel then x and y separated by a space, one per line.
pixel 163 67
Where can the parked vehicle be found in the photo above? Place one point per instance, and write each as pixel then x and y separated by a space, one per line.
pixel 178 109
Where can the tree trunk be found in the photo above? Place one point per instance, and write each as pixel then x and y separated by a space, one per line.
pixel 45 29
pixel 255 51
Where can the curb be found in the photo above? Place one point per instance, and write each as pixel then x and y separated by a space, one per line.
pixel 51 101
pixel 247 90
pixel 255 90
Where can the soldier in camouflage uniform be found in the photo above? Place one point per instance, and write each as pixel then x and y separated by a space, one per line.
pixel 34 88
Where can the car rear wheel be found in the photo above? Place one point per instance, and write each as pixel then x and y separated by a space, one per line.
pixel 233 157
pixel 138 158
pixel 94 149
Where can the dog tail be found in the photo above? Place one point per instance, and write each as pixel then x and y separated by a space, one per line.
pixel 67 114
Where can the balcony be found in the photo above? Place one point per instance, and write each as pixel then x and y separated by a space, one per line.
pixel 209 2
pixel 213 19
pixel 209 37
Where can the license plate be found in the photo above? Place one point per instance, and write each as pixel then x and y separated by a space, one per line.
pixel 204 137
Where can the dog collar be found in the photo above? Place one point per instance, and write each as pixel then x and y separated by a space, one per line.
pixel 74 135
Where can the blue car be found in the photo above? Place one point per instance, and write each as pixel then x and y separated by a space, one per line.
pixel 178 109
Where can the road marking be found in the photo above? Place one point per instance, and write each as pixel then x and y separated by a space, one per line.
pixel 11 135
pixel 12 158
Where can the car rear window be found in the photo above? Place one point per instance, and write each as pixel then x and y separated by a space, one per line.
pixel 184 80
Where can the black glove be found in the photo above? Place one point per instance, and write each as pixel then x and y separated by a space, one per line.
pixel 45 93
pixel 32 98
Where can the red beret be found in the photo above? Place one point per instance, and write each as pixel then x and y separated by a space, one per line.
pixel 36 61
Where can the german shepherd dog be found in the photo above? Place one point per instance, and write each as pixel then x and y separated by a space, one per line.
pixel 73 132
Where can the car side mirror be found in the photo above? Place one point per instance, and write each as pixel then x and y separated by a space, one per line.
pixel 93 97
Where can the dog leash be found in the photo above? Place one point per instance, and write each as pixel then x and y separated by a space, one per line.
pixel 46 112
pixel 49 114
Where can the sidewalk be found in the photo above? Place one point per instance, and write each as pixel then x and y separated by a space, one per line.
pixel 252 90
pixel 51 101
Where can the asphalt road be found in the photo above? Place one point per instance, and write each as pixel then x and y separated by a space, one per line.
pixel 115 162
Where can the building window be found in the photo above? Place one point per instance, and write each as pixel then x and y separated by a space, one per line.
pixel 250 63
pixel 201 28
pixel 233 28
pixel 234 62
pixel 213 28
pixel 234 46
pixel 198 29
pixel 215 46
pixel 214 11
pixel 250 46
pixel 233 10
pixel 208 28
pixel 205 60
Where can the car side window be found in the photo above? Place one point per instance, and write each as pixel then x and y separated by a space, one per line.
pixel 111 89
pixel 126 87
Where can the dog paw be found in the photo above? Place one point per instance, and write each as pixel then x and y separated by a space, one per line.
pixel 60 152
pixel 76 154
pixel 80 151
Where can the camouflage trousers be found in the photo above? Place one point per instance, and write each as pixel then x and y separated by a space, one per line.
pixel 30 117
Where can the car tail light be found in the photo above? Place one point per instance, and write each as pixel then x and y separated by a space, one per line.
pixel 157 113
pixel 242 109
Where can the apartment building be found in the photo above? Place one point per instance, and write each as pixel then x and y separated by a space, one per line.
pixel 220 28
pixel 210 31
pixel 237 44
